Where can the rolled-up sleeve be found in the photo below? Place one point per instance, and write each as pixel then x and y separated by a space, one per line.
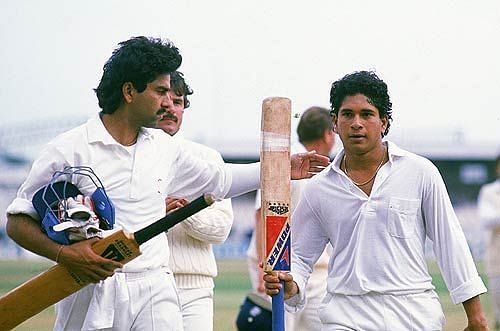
pixel 49 161
pixel 450 245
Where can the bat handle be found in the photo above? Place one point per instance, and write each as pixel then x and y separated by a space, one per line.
pixel 278 306
pixel 177 216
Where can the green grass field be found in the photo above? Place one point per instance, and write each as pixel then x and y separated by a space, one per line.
pixel 231 286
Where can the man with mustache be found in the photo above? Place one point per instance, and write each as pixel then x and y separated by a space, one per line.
pixel 191 256
pixel 376 204
pixel 136 164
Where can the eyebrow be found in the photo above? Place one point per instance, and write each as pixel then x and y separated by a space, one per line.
pixel 162 88
pixel 363 110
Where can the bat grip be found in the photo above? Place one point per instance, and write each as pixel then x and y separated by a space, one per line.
pixel 173 218
pixel 278 306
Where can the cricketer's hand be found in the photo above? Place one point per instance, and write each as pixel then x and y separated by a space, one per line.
pixel 273 285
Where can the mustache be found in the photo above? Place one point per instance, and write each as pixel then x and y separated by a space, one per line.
pixel 166 115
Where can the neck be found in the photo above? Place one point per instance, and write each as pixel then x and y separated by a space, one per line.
pixel 120 128
pixel 365 160
pixel 355 173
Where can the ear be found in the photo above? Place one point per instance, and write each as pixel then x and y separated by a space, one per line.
pixel 128 91
pixel 334 120
pixel 385 121
pixel 329 140
pixel 327 135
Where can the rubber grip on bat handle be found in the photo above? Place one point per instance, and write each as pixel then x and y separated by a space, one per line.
pixel 278 306
pixel 173 218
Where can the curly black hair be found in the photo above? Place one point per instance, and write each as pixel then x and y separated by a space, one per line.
pixel 180 87
pixel 368 84
pixel 139 60
pixel 313 124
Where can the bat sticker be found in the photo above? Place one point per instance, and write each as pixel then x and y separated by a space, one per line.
pixel 113 253
pixel 278 240
pixel 279 208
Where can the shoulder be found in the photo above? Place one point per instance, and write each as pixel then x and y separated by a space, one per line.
pixel 69 141
pixel 200 150
pixel 420 161
pixel 160 139
pixel 312 186
pixel 491 187
pixel 410 160
pixel 71 136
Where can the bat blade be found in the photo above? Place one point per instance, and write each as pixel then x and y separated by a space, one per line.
pixel 55 284
pixel 275 183
pixel 275 195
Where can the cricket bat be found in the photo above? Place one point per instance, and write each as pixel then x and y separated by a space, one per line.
pixel 55 284
pixel 275 194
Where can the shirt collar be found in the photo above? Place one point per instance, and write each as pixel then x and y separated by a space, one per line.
pixel 96 132
pixel 393 150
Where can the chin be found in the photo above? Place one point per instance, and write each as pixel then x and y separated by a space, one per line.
pixel 168 129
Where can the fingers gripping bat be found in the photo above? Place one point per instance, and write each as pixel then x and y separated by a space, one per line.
pixel 55 284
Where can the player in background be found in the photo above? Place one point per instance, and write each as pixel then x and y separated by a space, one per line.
pixel 315 132
pixel 488 204
pixel 376 204
pixel 191 256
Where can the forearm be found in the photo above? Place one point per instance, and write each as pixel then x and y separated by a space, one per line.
pixel 475 314
pixel 78 258
pixel 26 232
pixel 245 178
pixel 212 225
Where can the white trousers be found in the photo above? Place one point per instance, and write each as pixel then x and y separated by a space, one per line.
pixel 374 312
pixel 197 306
pixel 308 318
pixel 145 301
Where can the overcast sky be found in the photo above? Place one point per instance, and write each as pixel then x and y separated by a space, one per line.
pixel 439 58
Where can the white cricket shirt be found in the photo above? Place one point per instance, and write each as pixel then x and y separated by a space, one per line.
pixel 136 179
pixel 378 240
